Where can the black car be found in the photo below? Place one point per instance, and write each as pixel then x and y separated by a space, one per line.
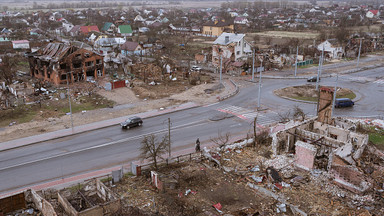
pixel 131 122
pixel 312 79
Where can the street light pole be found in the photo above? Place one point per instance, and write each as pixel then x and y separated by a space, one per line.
pixel 358 57
pixel 297 53
pixel 221 66
pixel 259 93
pixel 334 95
pixel 69 100
pixel 322 60
pixel 169 137
pixel 253 65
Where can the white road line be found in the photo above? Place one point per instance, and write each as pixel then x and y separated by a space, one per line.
pixel 188 125
pixel 211 104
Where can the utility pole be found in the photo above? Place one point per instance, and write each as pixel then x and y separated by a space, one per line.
pixel 253 65
pixel 319 70
pixel 297 53
pixel 169 137
pixel 69 99
pixel 334 95
pixel 358 57
pixel 259 93
pixel 322 61
pixel 221 66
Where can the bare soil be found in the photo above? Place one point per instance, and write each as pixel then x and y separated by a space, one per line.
pixel 308 92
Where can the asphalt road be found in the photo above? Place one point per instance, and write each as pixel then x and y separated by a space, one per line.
pixel 107 147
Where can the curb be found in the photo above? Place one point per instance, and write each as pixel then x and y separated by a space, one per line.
pixel 231 94
pixel 112 122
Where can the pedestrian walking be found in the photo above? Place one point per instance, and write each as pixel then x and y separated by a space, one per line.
pixel 197 147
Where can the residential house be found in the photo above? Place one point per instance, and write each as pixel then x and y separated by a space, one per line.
pixel 75 30
pixel 132 48
pixel 20 44
pixel 125 30
pixel 230 47
pixel 105 45
pixel 139 18
pixel 241 20
pixel 67 26
pixel 217 28
pixel 373 14
pixel 109 27
pixel 57 60
pixel 87 29
pixel 331 49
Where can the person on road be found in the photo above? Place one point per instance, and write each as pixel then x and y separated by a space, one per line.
pixel 197 147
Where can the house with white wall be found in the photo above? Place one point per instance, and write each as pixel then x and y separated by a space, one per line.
pixel 230 47
pixel 373 14
pixel 331 49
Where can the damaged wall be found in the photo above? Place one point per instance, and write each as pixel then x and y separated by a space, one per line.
pixel 53 62
pixel 110 205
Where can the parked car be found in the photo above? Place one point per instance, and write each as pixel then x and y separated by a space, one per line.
pixel 195 68
pixel 131 122
pixel 312 79
pixel 343 102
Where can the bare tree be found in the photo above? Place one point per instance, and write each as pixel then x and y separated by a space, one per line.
pixel 152 149
pixel 284 117
pixel 221 141
pixel 7 69
pixel 299 113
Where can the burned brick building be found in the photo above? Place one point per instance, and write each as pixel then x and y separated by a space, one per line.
pixel 53 62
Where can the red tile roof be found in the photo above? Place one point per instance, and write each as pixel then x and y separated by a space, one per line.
pixel 87 29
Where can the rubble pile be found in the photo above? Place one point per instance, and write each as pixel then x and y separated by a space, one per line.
pixel 269 185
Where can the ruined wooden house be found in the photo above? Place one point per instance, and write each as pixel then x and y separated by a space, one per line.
pixel 57 60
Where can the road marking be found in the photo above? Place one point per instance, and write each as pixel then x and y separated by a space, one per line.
pixel 179 127
pixel 379 81
pixel 211 104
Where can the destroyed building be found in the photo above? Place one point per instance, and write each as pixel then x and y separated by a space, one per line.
pixel 53 62
pixel 326 143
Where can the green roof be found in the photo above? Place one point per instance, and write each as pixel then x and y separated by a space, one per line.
pixel 125 29
pixel 106 26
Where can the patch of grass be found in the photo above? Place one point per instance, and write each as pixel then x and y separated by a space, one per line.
pixel 76 188
pixel 17 114
pixel 377 138
pixel 305 98
pixel 23 63
pixel 350 95
pixel 107 179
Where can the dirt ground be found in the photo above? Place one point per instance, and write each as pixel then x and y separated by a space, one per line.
pixel 307 92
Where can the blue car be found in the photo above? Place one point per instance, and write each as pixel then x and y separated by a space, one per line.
pixel 343 102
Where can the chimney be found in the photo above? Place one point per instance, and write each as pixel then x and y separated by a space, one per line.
pixel 226 39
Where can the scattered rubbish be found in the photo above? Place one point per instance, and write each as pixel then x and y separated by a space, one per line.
pixel 285 184
pixel 12 123
pixel 218 207
pixel 84 111
pixel 278 186
pixel 190 191
pixel 238 151
pixel 282 207
pixel 226 159
pixel 257 179
pixel 255 169
pixel 273 175
pixel 29 211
